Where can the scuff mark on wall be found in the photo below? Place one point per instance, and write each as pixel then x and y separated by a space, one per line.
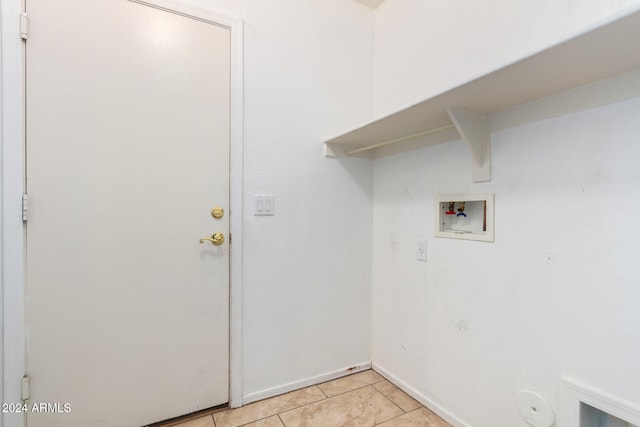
pixel 461 324
pixel 546 255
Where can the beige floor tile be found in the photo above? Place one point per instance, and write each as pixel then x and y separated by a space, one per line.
pixel 350 382
pixel 418 418
pixel 200 422
pixel 363 407
pixel 267 422
pixel 266 408
pixel 397 396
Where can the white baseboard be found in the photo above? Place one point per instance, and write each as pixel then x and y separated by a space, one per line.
pixel 296 385
pixel 424 399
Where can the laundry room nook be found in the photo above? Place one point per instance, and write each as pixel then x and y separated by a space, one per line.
pixel 226 213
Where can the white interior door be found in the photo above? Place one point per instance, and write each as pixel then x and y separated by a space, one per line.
pixel 127 153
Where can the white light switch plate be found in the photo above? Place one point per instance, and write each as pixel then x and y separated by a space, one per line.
pixel 264 205
pixel 421 250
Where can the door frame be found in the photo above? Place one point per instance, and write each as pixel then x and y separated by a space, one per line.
pixel 12 184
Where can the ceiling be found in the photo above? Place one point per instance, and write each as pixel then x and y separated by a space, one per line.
pixel 370 3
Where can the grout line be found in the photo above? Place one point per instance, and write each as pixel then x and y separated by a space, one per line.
pixel 394 418
pixel 317 401
pixel 255 421
pixel 298 407
pixel 290 409
pixel 392 402
pixel 357 388
pixel 402 415
pixel 281 421
pixel 325 394
pixel 353 389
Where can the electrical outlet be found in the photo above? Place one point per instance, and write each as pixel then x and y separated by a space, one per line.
pixel 421 251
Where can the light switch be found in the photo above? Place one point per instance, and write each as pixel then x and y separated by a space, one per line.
pixel 264 205
pixel 421 250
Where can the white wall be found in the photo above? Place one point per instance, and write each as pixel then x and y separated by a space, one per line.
pixel 557 292
pixel 307 273
pixel 554 295
pixel 426 47
pixel 307 270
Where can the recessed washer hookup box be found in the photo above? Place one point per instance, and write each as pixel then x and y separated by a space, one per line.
pixel 465 216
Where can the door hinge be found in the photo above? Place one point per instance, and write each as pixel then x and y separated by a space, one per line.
pixel 25 388
pixel 25 208
pixel 24 26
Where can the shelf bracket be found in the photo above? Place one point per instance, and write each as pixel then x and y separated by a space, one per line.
pixel 471 127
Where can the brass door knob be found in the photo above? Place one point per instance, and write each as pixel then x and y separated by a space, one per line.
pixel 216 238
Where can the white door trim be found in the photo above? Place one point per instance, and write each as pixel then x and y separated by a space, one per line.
pixel 12 185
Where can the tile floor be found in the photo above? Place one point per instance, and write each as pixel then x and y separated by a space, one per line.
pixel 363 399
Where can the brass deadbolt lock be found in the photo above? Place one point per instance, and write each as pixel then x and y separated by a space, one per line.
pixel 217 212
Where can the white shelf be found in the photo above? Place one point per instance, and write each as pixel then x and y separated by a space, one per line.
pixel 600 53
